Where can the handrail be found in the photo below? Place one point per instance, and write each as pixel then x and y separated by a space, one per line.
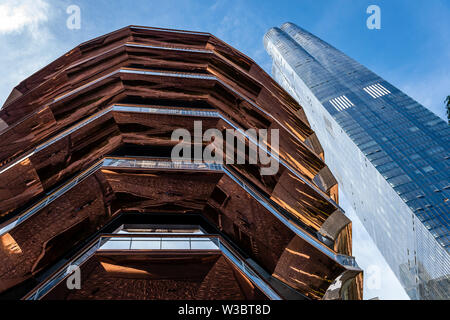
pixel 182 112
pixel 6 227
pixel 228 87
pixel 94 246
pixel 151 163
pixel 288 220
pixel 114 107
pixel 50 198
pixel 120 46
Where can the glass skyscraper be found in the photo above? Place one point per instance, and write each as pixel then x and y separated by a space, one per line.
pixel 390 154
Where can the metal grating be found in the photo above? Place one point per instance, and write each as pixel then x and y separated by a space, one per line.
pixel 376 90
pixel 341 103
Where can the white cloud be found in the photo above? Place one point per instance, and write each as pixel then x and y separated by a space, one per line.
pixel 25 31
pixel 26 15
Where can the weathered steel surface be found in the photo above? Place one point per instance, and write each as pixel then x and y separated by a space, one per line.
pixel 61 121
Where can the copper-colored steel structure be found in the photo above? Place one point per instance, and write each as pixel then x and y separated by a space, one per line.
pixel 87 140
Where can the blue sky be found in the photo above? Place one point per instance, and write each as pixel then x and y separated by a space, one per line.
pixel 412 49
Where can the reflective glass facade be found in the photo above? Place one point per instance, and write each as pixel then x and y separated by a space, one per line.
pixel 390 154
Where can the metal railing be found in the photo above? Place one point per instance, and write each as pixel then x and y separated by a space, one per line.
pixel 122 162
pixel 50 198
pixel 180 111
pixel 213 78
pixel 166 164
pixel 161 163
pixel 151 243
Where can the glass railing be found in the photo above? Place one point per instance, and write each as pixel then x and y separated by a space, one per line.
pixel 84 86
pixel 167 164
pixel 187 112
pixel 164 164
pixel 158 242
pixel 170 111
pixel 119 108
pixel 171 30
pixel 289 221
pixel 170 74
pixel 167 48
pixel 160 163
pixel 139 243
pixel 50 198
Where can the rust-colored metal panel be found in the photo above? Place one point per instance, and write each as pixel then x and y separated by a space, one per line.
pixel 120 96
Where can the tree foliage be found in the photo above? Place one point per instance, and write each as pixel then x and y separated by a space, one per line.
pixel 447 101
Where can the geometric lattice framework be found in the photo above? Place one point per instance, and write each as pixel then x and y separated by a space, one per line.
pixel 85 147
